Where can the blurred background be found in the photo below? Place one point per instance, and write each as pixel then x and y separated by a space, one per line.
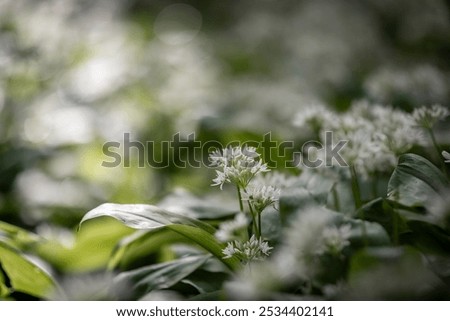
pixel 77 74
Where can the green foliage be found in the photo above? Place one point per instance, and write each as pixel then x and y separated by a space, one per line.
pixel 158 276
pixel 416 181
pixel 376 226
pixel 150 217
pixel 23 275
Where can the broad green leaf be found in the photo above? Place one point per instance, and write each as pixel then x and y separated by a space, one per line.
pixel 18 237
pixel 143 216
pixel 92 247
pixel 150 217
pixel 383 212
pixel 205 240
pixel 24 275
pixel 4 290
pixel 206 282
pixel 141 244
pixel 158 276
pixel 411 228
pixel 429 238
pixel 375 235
pixel 415 181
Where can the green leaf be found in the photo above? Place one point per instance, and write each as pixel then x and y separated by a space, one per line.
pixel 92 249
pixel 205 240
pixel 412 229
pixel 371 234
pixel 429 238
pixel 18 237
pixel 4 290
pixel 159 276
pixel 150 217
pixel 141 244
pixel 24 275
pixel 143 216
pixel 383 212
pixel 415 181
pixel 206 282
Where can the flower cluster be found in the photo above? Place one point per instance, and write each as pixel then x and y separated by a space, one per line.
pixel 427 117
pixel 334 239
pixel 376 135
pixel 261 196
pixel 238 166
pixel 252 250
pixel 233 229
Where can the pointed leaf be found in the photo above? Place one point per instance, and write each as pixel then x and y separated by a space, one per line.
pixel 159 276
pixel 143 216
pixel 24 275
pixel 415 181
pixel 205 240
pixel 141 244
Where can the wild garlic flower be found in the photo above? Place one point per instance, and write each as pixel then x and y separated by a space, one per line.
pixel 375 136
pixel 260 196
pixel 313 117
pixel 238 166
pixel 252 250
pixel 446 155
pixel 427 117
pixel 335 239
pixel 233 229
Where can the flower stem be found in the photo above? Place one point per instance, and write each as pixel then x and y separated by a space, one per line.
pixel 395 234
pixel 433 140
pixel 241 206
pixel 255 220
pixel 355 187
pixel 337 204
pixel 358 202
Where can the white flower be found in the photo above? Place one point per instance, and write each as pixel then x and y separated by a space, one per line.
pixel 375 136
pixel 427 117
pixel 314 117
pixel 239 166
pixel 260 196
pixel 335 239
pixel 419 84
pixel 252 250
pixel 230 230
pixel 446 155
pixel 312 234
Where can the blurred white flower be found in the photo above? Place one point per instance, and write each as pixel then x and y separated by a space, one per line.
pixel 446 155
pixel 335 239
pixel 427 117
pixel 313 117
pixel 375 136
pixel 251 250
pixel 419 84
pixel 231 230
